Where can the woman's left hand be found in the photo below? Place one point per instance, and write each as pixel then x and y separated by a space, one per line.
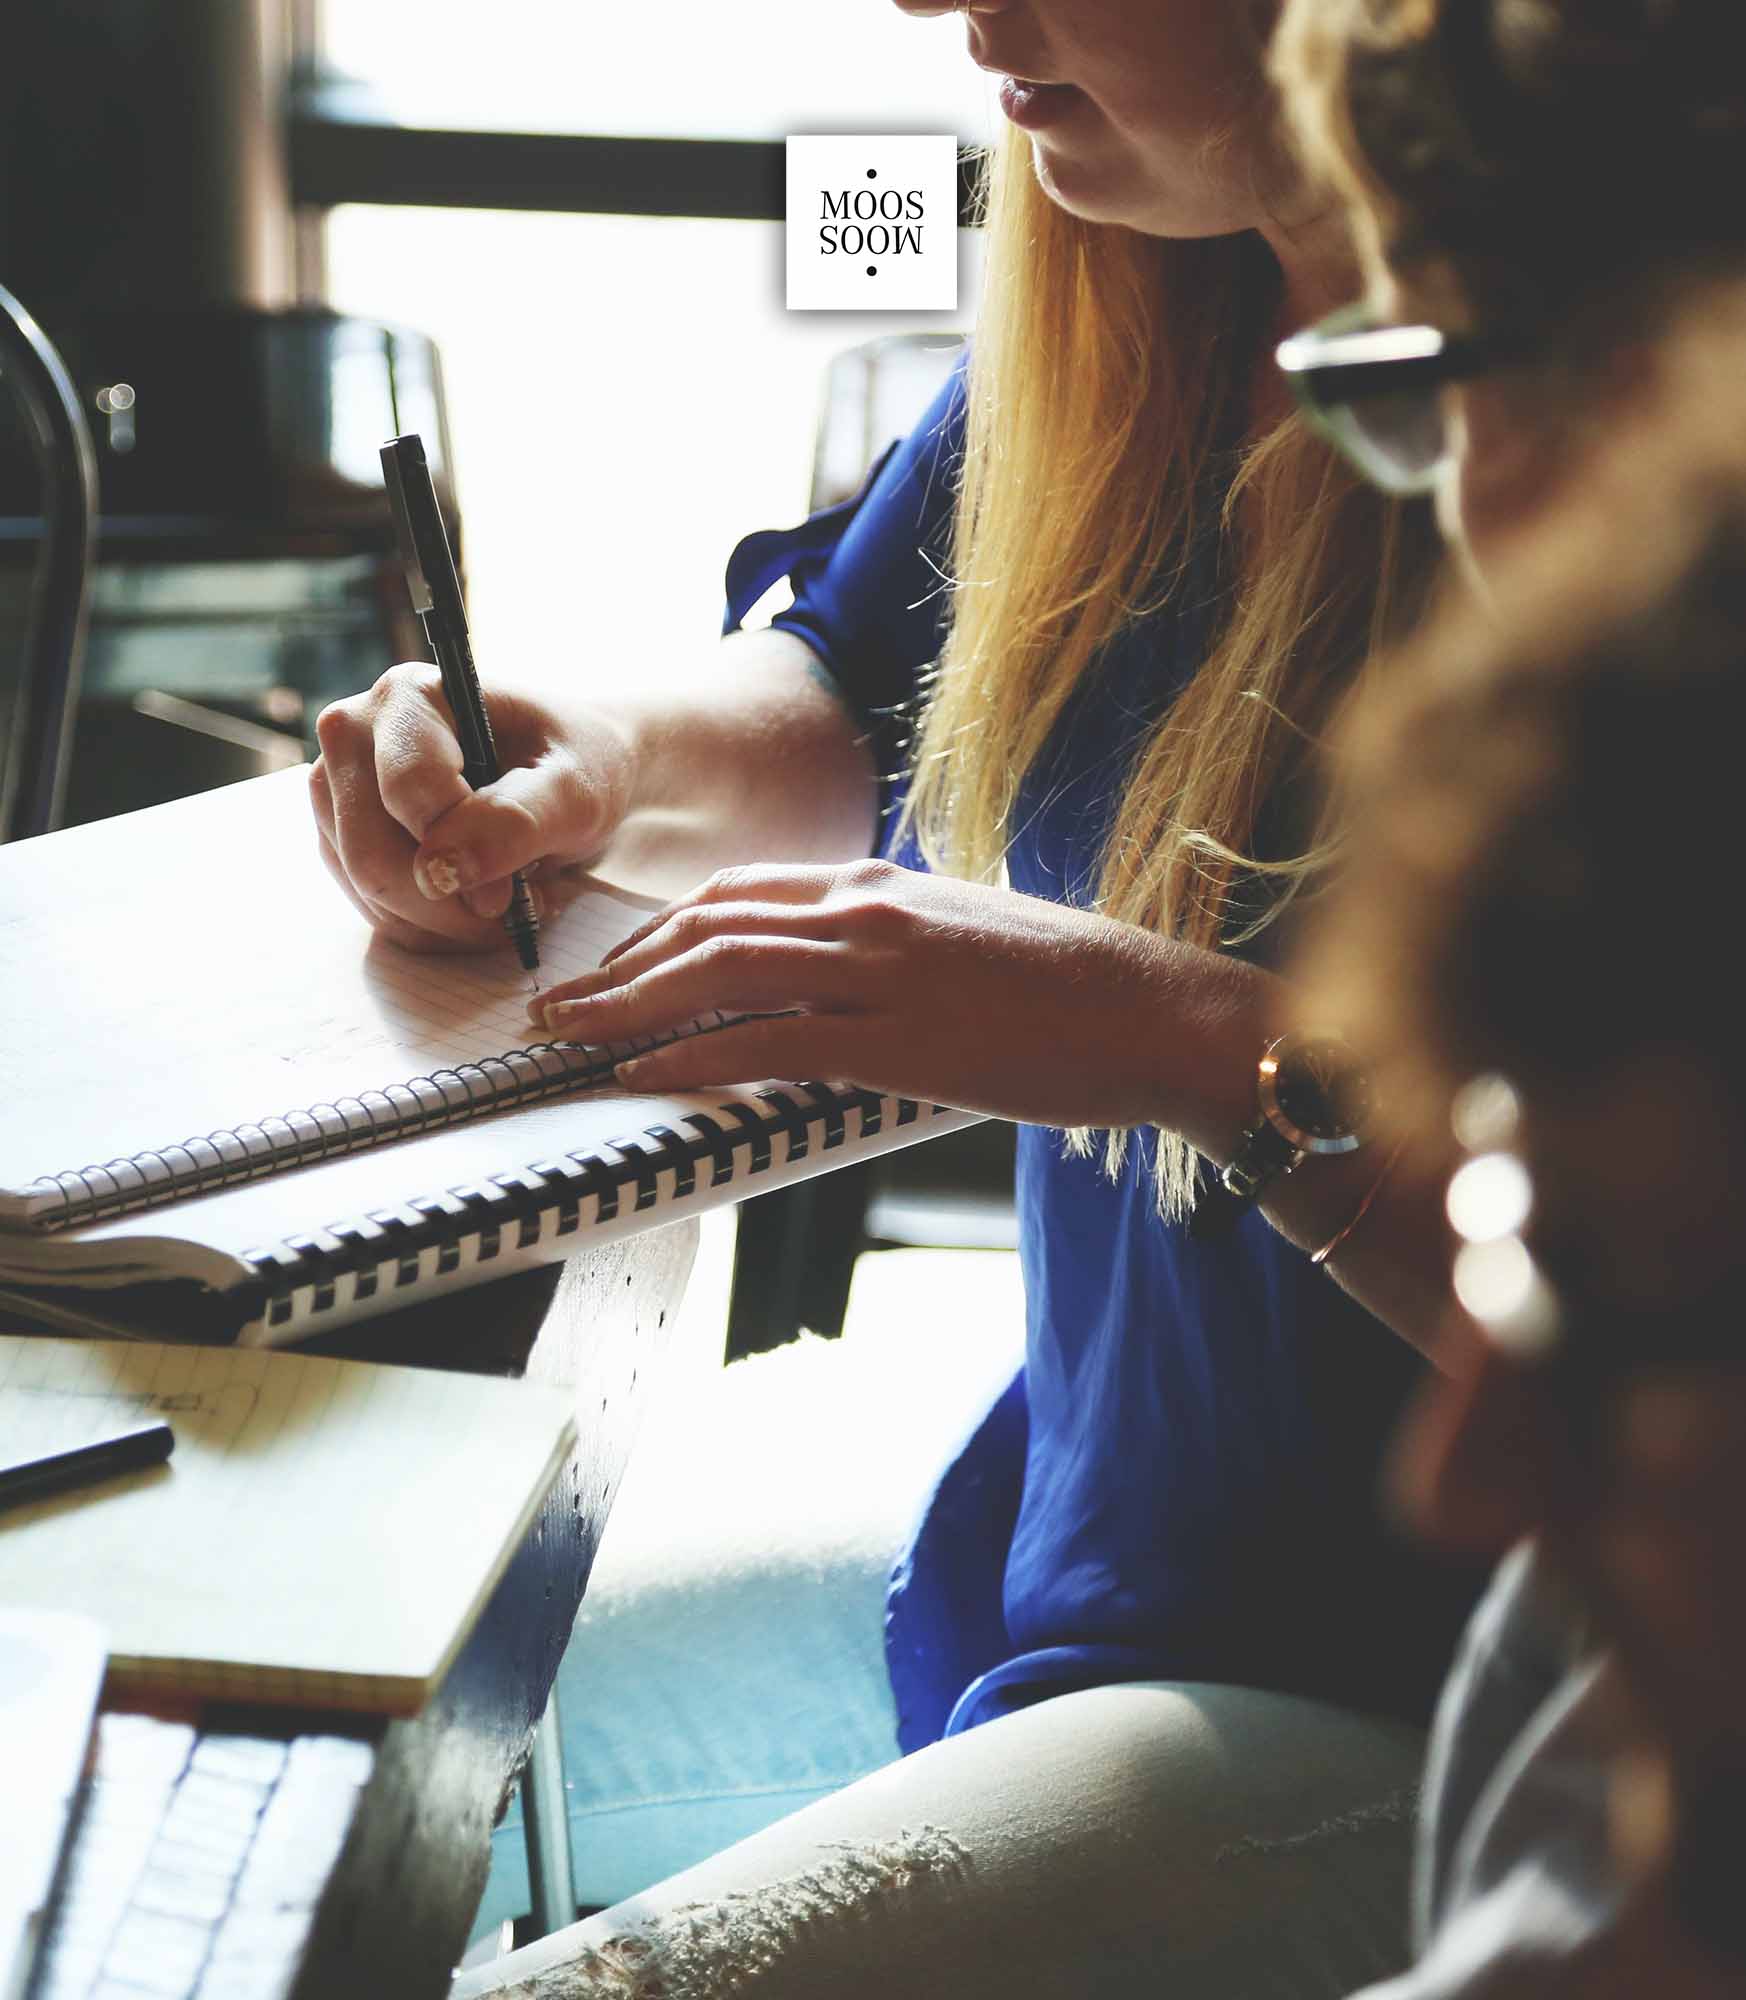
pixel 916 984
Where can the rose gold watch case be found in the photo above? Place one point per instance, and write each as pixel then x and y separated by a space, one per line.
pixel 1294 1046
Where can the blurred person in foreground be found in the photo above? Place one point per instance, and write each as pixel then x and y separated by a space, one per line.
pixel 1532 940
pixel 1537 189
pixel 1530 932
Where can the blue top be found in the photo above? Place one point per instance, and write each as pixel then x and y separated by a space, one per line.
pixel 1182 1483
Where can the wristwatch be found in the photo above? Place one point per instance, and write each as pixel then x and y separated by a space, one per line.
pixel 1315 1098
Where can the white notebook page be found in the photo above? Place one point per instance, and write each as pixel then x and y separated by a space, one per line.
pixel 324 1531
pixel 192 968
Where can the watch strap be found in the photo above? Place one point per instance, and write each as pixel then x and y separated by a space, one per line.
pixel 1262 1155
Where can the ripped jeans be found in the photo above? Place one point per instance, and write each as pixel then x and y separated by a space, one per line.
pixel 1177 1842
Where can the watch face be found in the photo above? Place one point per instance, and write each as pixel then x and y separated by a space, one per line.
pixel 1313 1090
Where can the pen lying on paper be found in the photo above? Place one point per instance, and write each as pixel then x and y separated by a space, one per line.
pixel 436 597
pixel 123 1451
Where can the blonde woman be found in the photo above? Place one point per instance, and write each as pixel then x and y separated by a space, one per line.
pixel 1160 591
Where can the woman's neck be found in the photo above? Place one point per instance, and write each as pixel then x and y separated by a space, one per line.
pixel 1318 274
pixel 1317 264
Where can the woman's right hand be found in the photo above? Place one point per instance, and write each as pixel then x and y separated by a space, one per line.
pixel 422 856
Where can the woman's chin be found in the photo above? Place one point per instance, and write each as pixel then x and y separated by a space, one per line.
pixel 1116 191
pixel 1072 184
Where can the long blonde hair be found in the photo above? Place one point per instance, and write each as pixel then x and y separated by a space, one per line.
pixel 1110 373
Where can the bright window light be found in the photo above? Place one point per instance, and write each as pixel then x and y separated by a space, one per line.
pixel 679 69
pixel 628 397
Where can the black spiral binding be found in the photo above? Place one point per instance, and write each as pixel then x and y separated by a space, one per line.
pixel 322 1131
pixel 351 1261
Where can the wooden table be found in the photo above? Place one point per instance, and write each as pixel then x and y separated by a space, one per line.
pixel 323 1857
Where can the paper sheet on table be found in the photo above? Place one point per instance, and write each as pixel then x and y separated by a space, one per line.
pixel 190 969
pixel 325 1532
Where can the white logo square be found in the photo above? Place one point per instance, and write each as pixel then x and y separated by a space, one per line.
pixel 873 223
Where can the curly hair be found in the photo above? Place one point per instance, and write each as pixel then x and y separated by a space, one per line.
pixel 1542 160
pixel 1541 805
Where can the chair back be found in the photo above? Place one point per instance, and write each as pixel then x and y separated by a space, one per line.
pixel 35 723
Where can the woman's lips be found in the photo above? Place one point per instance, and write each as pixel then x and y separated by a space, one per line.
pixel 1035 105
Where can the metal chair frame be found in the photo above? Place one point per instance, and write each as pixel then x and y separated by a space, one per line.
pixel 33 777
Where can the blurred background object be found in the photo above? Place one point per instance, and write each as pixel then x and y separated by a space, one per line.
pixel 228 213
pixel 36 711
pixel 245 560
pixel 243 549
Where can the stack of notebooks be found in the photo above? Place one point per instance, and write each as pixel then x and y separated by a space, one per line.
pixel 234 1114
pixel 382 1503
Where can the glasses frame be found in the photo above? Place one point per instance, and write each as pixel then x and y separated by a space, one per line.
pixel 1587 1350
pixel 1341 362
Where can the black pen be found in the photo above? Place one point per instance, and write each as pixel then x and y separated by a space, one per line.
pixel 124 1451
pixel 436 597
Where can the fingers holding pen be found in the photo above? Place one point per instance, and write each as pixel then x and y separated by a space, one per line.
pixel 421 781
pixel 428 860
pixel 383 921
pixel 364 795
pixel 374 855
pixel 512 825
pixel 412 745
pixel 416 841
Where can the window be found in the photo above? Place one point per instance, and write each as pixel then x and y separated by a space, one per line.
pixel 696 69
pixel 627 393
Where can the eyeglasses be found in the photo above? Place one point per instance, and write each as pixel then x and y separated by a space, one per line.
pixel 1376 392
pixel 1498 1280
pixel 1552 1326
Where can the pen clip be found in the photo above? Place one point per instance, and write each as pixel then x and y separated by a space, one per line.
pixel 422 539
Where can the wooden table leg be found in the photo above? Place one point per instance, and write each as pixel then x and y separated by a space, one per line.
pixel 400 1904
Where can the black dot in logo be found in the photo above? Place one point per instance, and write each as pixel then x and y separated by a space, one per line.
pixel 872 270
pixel 871 174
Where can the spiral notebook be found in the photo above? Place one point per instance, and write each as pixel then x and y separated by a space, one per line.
pixel 219 1083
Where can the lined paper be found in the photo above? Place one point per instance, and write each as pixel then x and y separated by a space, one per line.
pixel 209 933
pixel 325 1532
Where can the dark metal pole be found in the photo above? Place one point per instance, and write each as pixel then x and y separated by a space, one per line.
pixel 142 154
pixel 36 751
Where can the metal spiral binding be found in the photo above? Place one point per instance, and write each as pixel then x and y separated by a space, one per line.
pixel 390 1248
pixel 403 1110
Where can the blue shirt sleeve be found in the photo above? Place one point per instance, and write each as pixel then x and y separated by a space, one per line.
pixel 869 577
